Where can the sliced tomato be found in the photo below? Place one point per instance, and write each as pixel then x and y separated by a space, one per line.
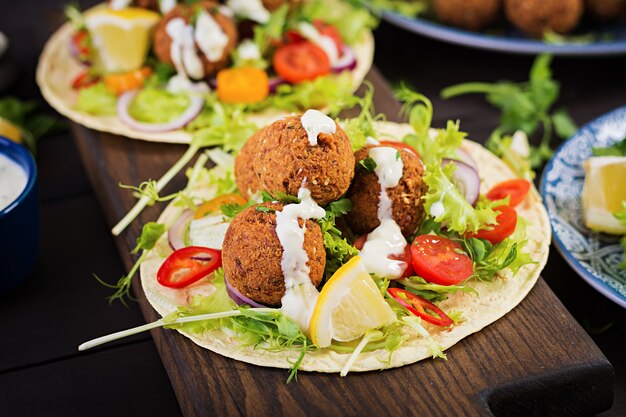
pixel 188 265
pixel 302 61
pixel 507 220
pixel 81 45
pixel 399 145
pixel 83 80
pixel 422 308
pixel 516 189
pixel 214 205
pixel 406 257
pixel 440 260
pixel 329 30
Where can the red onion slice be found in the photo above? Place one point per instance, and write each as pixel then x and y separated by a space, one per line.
pixel 123 102
pixel 347 61
pixel 464 156
pixel 466 179
pixel 176 234
pixel 238 297
pixel 275 82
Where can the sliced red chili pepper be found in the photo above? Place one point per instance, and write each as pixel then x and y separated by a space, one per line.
pixel 188 265
pixel 399 145
pixel 422 308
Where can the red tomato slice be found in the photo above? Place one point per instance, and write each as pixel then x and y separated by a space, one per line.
pixel 399 145
pixel 80 44
pixel 188 265
pixel 302 61
pixel 83 80
pixel 406 258
pixel 507 220
pixel 420 307
pixel 440 260
pixel 516 189
pixel 329 30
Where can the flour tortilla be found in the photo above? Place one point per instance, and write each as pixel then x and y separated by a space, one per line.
pixel 57 68
pixel 495 299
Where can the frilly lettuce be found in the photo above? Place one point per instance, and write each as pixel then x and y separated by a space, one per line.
pixel 350 20
pixel 157 105
pixel 97 100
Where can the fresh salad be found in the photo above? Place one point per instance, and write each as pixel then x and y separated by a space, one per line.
pixel 320 237
pixel 164 65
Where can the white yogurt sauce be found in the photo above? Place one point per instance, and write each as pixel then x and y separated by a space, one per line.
pixel 183 49
pixel 180 83
pixel 166 5
pixel 387 239
pixel 371 141
pixel 249 9
pixel 300 294
pixel 437 208
pixel 210 37
pixel 119 4
pixel 316 122
pixel 12 181
pixel 325 42
pixel 248 51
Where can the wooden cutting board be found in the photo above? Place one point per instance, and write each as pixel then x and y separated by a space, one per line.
pixel 536 360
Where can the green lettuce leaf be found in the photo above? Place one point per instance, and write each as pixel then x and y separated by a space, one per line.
pixel 156 105
pixel 350 18
pixel 97 100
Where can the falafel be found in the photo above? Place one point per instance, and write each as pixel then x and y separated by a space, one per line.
pixel 163 41
pixel 534 17
pixel 246 177
pixel 272 5
pixel 252 253
pixel 468 14
pixel 406 198
pixel 285 160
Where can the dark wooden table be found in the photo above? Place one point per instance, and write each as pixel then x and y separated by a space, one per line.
pixel 61 305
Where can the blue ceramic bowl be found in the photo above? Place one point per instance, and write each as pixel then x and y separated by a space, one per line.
pixel 19 222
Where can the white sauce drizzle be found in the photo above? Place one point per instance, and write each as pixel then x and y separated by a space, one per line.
pixel 249 9
pixel 325 42
pixel 371 141
pixel 183 49
pixel 210 37
pixel 386 239
pixel 12 181
pixel 316 122
pixel 248 51
pixel 119 4
pixel 300 294
pixel 437 208
pixel 166 5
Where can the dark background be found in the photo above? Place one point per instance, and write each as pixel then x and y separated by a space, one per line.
pixel 62 305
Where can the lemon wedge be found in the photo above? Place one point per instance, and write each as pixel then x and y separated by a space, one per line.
pixel 10 130
pixel 604 191
pixel 348 306
pixel 121 38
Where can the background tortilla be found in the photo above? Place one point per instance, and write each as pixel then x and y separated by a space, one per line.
pixel 495 299
pixel 57 68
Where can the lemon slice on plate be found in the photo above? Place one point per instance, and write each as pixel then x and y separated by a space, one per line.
pixel 604 191
pixel 348 306
pixel 121 38
pixel 10 130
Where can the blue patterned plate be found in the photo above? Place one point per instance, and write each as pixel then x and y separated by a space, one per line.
pixel 512 41
pixel 594 256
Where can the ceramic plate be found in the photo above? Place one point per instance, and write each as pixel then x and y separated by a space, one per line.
pixel 594 256
pixel 511 41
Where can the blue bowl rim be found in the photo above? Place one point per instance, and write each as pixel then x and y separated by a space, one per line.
pixel 30 168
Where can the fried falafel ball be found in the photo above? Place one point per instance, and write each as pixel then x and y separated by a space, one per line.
pixel 163 41
pixel 252 253
pixel 534 17
pixel 406 198
pixel 468 14
pixel 285 160
pixel 605 9
pixel 246 177
pixel 272 5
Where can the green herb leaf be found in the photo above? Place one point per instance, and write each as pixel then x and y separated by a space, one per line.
pixel 617 149
pixel 33 125
pixel 368 164
pixel 264 209
pixel 150 234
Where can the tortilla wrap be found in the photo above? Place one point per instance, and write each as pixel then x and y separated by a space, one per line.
pixel 493 301
pixel 57 68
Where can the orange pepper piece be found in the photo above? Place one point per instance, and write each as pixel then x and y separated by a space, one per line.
pixel 215 204
pixel 242 85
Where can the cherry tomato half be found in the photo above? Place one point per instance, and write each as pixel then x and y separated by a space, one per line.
pixel 329 30
pixel 406 258
pixel 516 189
pixel 214 205
pixel 440 260
pixel 188 265
pixel 302 61
pixel 507 220
pixel 81 45
pixel 423 309
pixel 399 145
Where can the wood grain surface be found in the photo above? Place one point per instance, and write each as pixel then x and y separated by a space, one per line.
pixel 537 360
